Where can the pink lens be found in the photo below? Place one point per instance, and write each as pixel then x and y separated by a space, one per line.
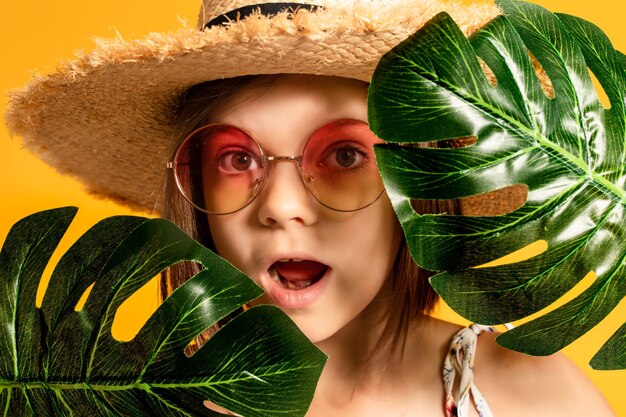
pixel 219 169
pixel 339 165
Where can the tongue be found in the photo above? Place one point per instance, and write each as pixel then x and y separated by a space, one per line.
pixel 301 274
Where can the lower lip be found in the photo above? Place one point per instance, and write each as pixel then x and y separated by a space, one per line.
pixel 286 298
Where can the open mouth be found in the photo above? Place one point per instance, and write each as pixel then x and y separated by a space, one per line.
pixel 297 274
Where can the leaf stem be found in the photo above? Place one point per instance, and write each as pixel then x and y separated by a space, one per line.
pixel 582 165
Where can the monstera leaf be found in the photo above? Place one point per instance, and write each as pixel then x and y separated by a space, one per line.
pixel 58 361
pixel 567 149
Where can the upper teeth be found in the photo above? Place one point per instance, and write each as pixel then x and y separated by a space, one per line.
pixel 291 260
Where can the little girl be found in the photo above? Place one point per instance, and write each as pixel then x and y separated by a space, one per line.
pixel 261 119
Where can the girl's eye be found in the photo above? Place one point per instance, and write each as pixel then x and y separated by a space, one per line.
pixel 238 162
pixel 344 156
pixel 348 157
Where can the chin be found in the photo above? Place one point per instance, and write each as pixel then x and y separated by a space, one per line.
pixel 316 329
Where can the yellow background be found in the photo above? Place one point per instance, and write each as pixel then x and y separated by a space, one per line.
pixel 36 34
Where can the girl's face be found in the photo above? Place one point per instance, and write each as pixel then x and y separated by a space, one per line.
pixel 322 267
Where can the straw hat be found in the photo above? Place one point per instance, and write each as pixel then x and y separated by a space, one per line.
pixel 107 118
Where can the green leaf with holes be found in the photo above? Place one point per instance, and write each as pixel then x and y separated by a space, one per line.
pixel 58 361
pixel 568 151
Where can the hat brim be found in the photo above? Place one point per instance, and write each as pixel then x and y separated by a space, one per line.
pixel 108 118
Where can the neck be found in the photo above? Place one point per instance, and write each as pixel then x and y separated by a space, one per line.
pixel 359 381
pixel 355 366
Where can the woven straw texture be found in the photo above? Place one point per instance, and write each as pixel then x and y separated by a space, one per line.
pixel 107 117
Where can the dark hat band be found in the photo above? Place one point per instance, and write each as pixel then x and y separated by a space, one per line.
pixel 266 9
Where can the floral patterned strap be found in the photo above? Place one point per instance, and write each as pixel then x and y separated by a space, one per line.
pixel 460 359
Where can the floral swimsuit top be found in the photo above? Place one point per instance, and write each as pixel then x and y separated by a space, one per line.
pixel 459 362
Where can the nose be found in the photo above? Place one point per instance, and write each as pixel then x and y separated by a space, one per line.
pixel 284 199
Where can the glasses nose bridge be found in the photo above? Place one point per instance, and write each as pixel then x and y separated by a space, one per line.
pixel 297 159
pixel 284 158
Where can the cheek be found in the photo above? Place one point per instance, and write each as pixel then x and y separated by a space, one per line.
pixel 230 238
pixel 228 193
pixel 367 249
pixel 375 236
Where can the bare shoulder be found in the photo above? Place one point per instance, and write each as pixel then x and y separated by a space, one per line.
pixel 517 384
